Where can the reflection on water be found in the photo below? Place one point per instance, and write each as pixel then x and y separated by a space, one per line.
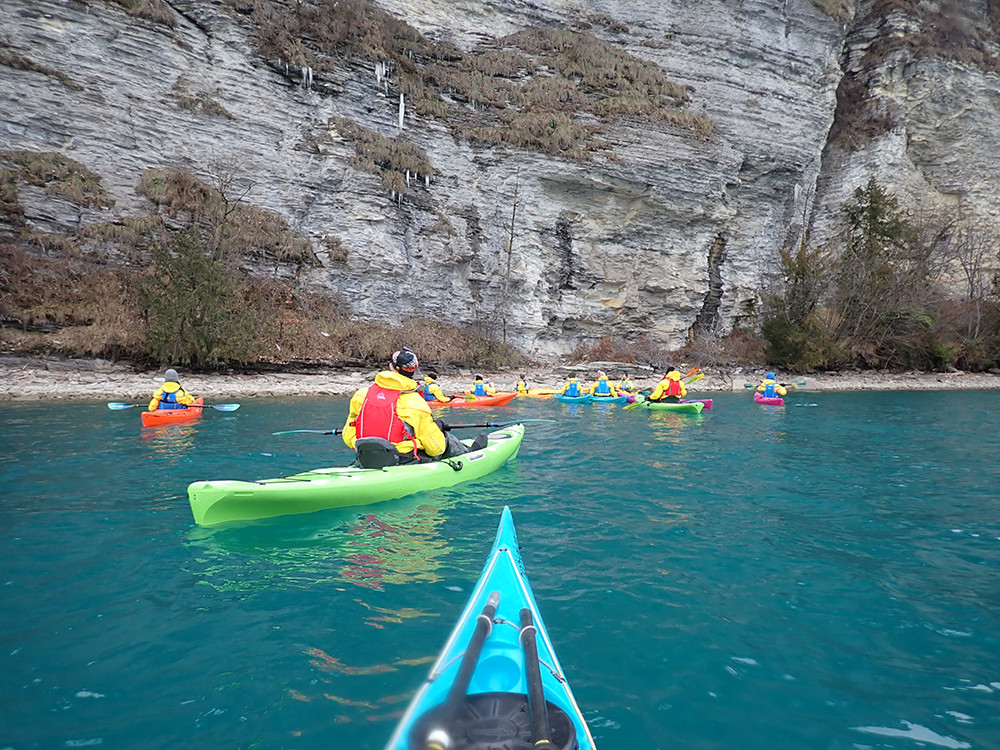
pixel 169 443
pixel 396 544
pixel 671 427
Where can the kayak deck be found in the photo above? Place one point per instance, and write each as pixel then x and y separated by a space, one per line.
pixel 169 416
pixel 494 709
pixel 223 501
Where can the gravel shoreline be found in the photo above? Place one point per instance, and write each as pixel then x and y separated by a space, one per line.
pixel 55 378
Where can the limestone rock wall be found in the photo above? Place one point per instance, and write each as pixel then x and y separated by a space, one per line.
pixel 662 231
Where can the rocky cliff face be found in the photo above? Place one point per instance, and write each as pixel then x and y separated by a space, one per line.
pixel 663 230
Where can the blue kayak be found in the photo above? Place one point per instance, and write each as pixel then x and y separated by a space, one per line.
pixel 610 399
pixel 586 398
pixel 497 683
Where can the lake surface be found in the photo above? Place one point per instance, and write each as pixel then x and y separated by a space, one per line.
pixel 820 576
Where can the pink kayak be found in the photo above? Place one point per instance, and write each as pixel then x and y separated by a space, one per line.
pixel 760 398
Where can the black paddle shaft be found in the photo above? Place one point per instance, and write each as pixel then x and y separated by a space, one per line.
pixel 540 731
pixel 484 624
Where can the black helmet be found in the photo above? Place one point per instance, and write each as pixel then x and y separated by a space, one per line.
pixel 405 360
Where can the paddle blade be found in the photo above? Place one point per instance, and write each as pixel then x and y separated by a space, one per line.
pixel 118 406
pixel 695 379
pixel 225 407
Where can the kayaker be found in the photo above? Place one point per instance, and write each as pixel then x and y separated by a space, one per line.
pixel 625 384
pixel 671 388
pixel 601 388
pixel 391 409
pixel 769 388
pixel 431 390
pixel 170 395
pixel 481 388
pixel 571 387
pixel 522 385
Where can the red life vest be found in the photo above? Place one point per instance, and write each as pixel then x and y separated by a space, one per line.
pixel 674 389
pixel 378 417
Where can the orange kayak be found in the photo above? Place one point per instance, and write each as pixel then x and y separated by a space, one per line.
pixel 498 400
pixel 169 416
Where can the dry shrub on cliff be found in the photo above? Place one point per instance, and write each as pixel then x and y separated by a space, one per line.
pixel 19 62
pixel 152 10
pixel 239 231
pixel 68 306
pixel 394 160
pixel 60 175
pixel 509 84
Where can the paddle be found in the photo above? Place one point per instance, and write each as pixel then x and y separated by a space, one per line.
pixel 537 711
pixel 493 424
pixel 118 406
pixel 444 429
pixel 796 384
pixel 456 695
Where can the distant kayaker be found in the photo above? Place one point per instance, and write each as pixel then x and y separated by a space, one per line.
pixel 481 388
pixel 522 385
pixel 392 410
pixel 625 384
pixel 170 395
pixel 771 389
pixel 431 390
pixel 670 388
pixel 571 387
pixel 601 388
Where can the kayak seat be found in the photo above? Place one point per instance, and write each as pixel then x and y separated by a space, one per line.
pixel 375 453
pixel 488 721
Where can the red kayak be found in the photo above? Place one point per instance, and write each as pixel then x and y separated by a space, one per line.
pixel 498 400
pixel 169 416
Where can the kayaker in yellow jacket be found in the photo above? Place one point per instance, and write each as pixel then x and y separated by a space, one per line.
pixel 481 388
pixel 170 395
pixel 671 388
pixel 432 391
pixel 770 388
pixel 624 386
pixel 601 388
pixel 393 410
pixel 522 385
pixel 572 387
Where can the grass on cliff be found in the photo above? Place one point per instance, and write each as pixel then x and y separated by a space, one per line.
pixel 549 90
pixel 186 284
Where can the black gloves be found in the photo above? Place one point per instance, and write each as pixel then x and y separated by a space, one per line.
pixel 441 425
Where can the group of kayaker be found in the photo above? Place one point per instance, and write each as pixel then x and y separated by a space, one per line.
pixel 392 415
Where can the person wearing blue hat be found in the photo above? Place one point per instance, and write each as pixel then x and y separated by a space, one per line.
pixel 769 388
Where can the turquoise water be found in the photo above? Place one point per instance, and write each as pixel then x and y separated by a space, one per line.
pixel 820 576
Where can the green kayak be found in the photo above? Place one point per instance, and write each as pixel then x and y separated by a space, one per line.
pixel 221 501
pixel 684 407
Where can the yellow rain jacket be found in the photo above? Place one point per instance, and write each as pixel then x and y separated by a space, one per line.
pixel 181 397
pixel 431 387
pixel 607 389
pixel 411 408
pixel 666 387
pixel 482 388
pixel 778 387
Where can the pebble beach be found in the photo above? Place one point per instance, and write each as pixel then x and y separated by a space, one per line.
pixel 54 378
